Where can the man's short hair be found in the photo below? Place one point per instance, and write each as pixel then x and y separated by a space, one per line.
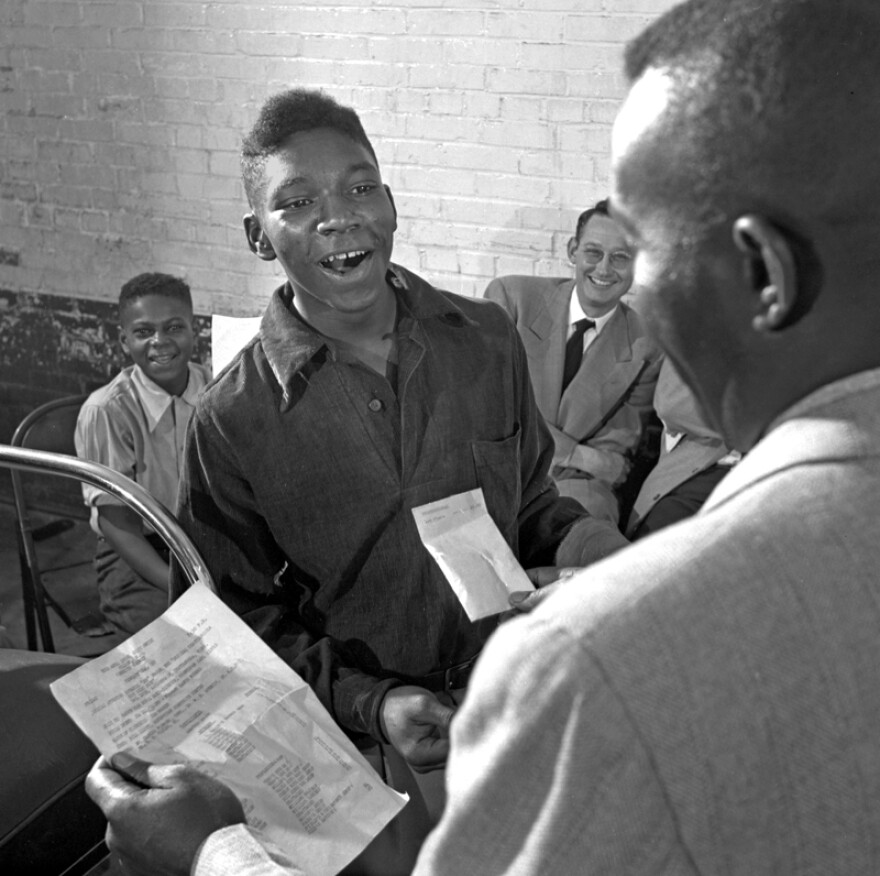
pixel 768 94
pixel 292 112
pixel 600 208
pixel 154 283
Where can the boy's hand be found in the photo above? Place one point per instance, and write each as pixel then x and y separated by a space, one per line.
pixel 416 723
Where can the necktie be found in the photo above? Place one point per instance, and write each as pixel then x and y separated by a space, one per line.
pixel 574 350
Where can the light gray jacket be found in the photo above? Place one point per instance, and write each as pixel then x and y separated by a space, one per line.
pixel 706 701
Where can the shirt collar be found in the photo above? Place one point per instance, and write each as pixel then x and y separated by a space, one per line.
pixel 156 400
pixel 576 312
pixel 290 344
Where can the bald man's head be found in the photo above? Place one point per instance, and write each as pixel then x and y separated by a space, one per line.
pixel 777 102
pixel 745 168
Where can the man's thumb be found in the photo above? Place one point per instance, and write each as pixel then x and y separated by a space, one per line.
pixel 133 768
pixel 443 714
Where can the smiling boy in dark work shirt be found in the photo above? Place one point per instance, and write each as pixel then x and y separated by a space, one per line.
pixel 366 393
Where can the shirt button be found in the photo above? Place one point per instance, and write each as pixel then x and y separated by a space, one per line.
pixel 376 405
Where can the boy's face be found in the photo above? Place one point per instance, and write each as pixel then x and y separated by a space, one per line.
pixel 327 217
pixel 157 333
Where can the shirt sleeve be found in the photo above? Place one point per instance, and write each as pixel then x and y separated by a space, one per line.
pixel 218 510
pixel 609 464
pixel 547 775
pixel 240 850
pixel 605 455
pixel 105 439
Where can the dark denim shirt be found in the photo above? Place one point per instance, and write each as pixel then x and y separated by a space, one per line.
pixel 302 469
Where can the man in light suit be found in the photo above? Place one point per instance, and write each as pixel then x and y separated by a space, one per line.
pixel 594 386
pixel 707 701
pixel 692 461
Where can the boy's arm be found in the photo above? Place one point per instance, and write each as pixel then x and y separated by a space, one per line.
pixel 123 529
pixel 104 435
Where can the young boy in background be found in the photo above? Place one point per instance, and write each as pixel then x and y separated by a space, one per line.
pixel 136 425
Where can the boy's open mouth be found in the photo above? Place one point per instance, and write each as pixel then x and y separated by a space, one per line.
pixel 343 262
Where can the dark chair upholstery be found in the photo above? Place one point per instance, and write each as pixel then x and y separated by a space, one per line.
pixel 47 823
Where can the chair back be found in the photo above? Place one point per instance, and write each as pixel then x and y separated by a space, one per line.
pixel 50 427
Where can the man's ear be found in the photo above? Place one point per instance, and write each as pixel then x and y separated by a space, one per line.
pixel 770 267
pixel 123 341
pixel 571 248
pixel 258 242
pixel 393 205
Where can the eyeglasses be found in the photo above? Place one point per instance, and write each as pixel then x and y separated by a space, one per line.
pixel 619 259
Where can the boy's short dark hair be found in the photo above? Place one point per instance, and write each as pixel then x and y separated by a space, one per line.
pixel 600 208
pixel 292 112
pixel 154 283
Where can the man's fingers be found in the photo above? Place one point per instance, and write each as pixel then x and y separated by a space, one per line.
pixel 104 784
pixel 524 601
pixel 442 715
pixel 134 769
pixel 429 754
pixel 144 774
pixel 543 575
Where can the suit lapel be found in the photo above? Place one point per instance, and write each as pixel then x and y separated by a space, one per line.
pixel 606 373
pixel 544 340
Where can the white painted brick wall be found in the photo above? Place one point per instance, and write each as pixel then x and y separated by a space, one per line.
pixel 122 119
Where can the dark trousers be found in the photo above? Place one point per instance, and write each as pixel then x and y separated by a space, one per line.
pixel 128 601
pixel 682 502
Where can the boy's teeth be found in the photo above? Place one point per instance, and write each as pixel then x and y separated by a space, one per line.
pixel 345 255
pixel 343 262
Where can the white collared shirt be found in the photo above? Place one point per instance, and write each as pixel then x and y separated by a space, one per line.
pixel 135 427
pixel 576 312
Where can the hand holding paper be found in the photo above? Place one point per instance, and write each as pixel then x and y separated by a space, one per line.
pixel 143 802
pixel 198 685
pixel 469 548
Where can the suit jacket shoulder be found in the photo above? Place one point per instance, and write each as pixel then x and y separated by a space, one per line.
pixel 538 304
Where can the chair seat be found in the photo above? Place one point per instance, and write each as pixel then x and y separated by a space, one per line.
pixel 46 820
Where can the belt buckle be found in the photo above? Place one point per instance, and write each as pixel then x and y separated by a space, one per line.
pixel 456 676
pixel 448 678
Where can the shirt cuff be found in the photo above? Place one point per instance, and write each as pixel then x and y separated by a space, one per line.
pixel 244 851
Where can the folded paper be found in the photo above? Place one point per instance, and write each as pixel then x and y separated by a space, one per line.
pixel 197 685
pixel 472 552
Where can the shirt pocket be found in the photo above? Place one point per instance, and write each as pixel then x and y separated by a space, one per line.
pixel 497 465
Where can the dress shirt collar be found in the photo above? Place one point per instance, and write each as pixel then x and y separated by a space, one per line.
pixel 576 312
pixel 290 343
pixel 156 400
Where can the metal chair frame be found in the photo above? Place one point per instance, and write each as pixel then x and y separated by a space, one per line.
pixel 123 488
pixel 40 430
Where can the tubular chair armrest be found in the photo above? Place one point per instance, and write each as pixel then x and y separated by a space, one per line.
pixel 123 488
